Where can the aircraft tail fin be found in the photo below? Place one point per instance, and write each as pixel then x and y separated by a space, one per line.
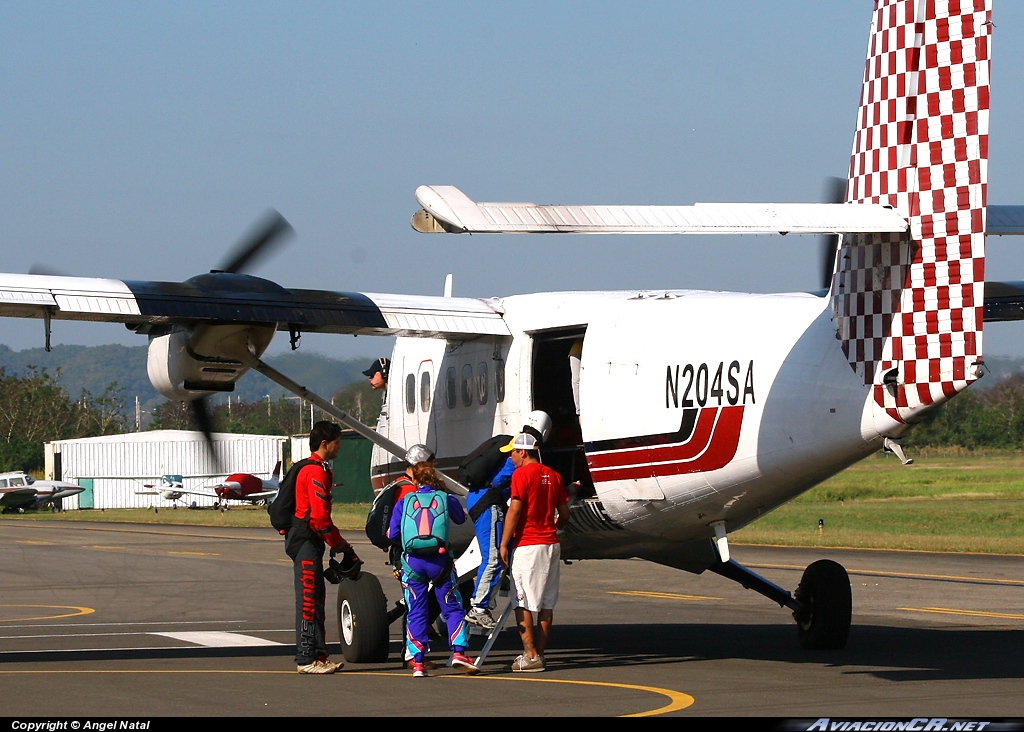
pixel 908 307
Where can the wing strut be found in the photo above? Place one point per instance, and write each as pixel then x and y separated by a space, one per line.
pixel 344 417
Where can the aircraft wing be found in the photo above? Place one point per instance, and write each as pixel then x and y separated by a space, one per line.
pixel 236 298
pixel 447 209
pixel 208 491
pixel 260 495
pixel 16 496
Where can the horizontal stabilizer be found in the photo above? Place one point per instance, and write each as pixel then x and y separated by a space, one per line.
pixel 1005 221
pixel 1004 301
pixel 447 209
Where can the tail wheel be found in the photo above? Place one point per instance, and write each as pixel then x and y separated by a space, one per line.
pixel 363 619
pixel 824 621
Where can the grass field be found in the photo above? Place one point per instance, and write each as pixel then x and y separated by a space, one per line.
pixel 946 501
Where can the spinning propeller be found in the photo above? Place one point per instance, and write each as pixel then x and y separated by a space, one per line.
pixel 265 236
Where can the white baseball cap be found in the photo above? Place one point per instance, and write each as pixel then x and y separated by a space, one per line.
pixel 522 441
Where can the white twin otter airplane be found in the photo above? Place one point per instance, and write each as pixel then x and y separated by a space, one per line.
pixel 698 411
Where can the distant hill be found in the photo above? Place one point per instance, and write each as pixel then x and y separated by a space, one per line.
pixel 94 368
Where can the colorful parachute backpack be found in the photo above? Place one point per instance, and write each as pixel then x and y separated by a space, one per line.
pixel 425 523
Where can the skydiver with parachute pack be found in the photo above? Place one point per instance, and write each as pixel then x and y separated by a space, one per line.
pixel 419 525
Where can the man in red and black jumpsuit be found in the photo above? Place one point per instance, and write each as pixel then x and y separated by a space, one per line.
pixel 312 531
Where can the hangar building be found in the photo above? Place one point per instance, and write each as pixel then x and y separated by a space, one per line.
pixel 112 468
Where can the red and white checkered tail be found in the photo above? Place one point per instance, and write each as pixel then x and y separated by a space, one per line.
pixel 908 307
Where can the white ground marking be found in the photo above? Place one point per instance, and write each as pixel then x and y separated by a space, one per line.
pixel 219 639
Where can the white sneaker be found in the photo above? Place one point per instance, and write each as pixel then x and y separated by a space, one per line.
pixel 319 667
pixel 528 665
pixel 481 618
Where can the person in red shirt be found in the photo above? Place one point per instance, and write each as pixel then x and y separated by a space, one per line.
pixel 312 531
pixel 538 508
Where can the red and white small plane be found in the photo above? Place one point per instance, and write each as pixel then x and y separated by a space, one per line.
pixel 698 411
pixel 243 487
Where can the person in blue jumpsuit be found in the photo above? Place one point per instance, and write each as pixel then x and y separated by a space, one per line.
pixel 490 523
pixel 418 572
pixel 488 526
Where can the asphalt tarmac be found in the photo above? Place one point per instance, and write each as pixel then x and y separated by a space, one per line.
pixel 144 621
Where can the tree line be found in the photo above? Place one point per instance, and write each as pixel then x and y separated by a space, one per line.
pixel 993 418
pixel 36 408
pixel 282 416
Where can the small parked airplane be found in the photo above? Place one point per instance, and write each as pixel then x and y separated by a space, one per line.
pixel 236 487
pixel 696 412
pixel 19 491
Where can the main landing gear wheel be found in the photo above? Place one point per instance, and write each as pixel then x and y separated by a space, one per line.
pixel 824 621
pixel 363 619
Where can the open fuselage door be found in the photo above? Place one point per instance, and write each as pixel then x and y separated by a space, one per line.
pixel 555 390
pixel 617 368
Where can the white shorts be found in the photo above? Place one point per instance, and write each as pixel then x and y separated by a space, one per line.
pixel 535 576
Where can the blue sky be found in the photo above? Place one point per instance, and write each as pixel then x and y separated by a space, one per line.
pixel 139 140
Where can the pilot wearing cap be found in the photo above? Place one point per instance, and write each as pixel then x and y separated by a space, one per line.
pixel 378 373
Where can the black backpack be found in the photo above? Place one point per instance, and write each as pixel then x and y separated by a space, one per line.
pixel 282 508
pixel 378 521
pixel 481 464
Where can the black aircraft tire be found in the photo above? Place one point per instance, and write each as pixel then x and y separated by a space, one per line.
pixel 363 619
pixel 825 591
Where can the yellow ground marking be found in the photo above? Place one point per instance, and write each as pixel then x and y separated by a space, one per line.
pixel 662 595
pixel 971 613
pixel 190 534
pixel 198 554
pixel 35 543
pixel 106 548
pixel 677 699
pixel 875 549
pixel 907 575
pixel 78 611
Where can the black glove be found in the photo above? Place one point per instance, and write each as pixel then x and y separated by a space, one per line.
pixel 350 562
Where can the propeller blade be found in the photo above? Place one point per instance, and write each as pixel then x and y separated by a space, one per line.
pixel 202 419
pixel 261 240
pixel 834 192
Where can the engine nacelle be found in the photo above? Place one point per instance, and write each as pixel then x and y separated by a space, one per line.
pixel 188 364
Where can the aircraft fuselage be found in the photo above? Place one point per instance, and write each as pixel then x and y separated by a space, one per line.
pixel 694 408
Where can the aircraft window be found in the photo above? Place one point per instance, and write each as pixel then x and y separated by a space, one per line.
pixel 410 393
pixel 3 482
pixel 17 481
pixel 481 383
pixel 450 389
pixel 425 391
pixel 467 385
pixel 499 380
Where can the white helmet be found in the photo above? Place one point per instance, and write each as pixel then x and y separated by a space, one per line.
pixel 418 454
pixel 540 421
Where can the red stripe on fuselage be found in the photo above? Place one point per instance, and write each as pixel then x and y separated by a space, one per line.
pixel 711 446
